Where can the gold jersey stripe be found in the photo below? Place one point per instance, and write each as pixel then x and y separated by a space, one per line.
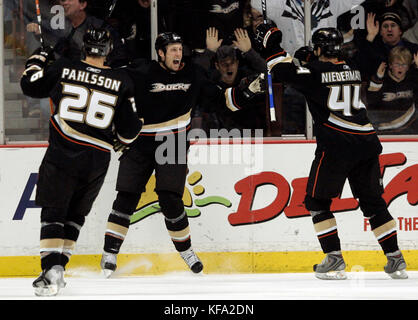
pixel 325 226
pixel 385 229
pixel 179 122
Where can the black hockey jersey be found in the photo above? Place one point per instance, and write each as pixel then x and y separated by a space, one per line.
pixel 332 91
pixel 89 106
pixel 165 99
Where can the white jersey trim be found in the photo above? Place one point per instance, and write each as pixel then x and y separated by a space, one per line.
pixel 350 125
pixel 72 133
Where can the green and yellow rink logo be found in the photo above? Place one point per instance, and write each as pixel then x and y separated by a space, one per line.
pixel 148 203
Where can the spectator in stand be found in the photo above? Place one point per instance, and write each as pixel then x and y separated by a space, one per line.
pixel 382 35
pixel 227 74
pixel 227 65
pixel 354 30
pixel 405 15
pixel 392 96
pixel 54 24
pixel 404 8
pixel 248 56
pixel 77 11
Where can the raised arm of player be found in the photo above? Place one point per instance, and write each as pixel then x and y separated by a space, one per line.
pixel 126 121
pixel 280 64
pixel 39 76
pixel 234 98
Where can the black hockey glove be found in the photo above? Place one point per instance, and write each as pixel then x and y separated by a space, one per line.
pixel 119 146
pixel 305 54
pixel 40 57
pixel 268 36
pixel 253 85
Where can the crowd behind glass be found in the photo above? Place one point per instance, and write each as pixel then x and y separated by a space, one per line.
pixel 382 36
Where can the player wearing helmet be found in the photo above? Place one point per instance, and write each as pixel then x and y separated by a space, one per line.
pixel 169 47
pixel 166 92
pixel 88 99
pixel 347 148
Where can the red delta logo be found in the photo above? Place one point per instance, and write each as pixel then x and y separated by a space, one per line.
pixel 405 182
pixel 291 203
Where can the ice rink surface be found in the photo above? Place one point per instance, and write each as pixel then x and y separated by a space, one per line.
pixel 184 296
pixel 82 285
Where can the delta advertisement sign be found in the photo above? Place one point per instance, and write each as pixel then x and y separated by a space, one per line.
pixel 235 206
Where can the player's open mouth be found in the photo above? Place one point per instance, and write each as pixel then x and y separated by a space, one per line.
pixel 229 73
pixel 176 61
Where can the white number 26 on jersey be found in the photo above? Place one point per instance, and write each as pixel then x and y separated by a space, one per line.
pixel 99 106
pixel 344 98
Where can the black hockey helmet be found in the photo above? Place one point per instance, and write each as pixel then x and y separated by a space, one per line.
pixel 265 33
pixel 329 40
pixel 97 42
pixel 165 38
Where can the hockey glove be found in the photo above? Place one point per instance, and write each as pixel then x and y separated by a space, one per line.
pixel 40 57
pixel 119 146
pixel 253 85
pixel 268 36
pixel 305 54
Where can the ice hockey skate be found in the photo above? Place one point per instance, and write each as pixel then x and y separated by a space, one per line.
pixel 108 264
pixel 396 266
pixel 49 281
pixel 331 268
pixel 192 260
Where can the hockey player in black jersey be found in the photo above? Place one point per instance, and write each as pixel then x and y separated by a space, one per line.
pixel 93 111
pixel 166 92
pixel 347 148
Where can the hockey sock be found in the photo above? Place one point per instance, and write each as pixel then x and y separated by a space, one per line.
pixel 119 220
pixel 116 231
pixel 72 231
pixel 176 219
pixel 384 229
pixel 51 238
pixel 178 229
pixel 51 244
pixel 326 230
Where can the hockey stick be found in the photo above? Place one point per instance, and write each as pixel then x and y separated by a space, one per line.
pixel 111 8
pixel 269 79
pixel 39 18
